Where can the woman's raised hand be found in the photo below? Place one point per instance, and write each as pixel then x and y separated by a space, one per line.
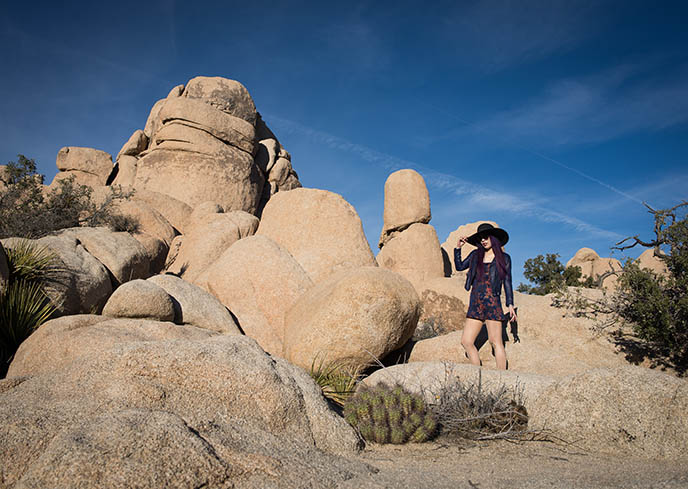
pixel 461 242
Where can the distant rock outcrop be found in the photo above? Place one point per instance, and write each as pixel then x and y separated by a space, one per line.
pixel 647 259
pixel 87 166
pixel 600 269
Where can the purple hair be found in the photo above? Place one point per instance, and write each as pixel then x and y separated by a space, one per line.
pixel 499 257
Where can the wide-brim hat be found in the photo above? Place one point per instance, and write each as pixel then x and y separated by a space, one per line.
pixel 486 229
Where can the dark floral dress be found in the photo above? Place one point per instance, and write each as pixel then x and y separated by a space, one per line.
pixel 484 303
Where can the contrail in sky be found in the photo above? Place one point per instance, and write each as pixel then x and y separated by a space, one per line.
pixel 459 187
pixel 540 155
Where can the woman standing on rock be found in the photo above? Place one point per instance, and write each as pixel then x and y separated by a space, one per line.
pixel 489 268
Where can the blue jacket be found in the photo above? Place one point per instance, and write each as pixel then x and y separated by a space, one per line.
pixel 471 262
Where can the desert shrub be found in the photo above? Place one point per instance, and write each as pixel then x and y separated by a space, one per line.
pixel 384 414
pixel 24 306
pixel 549 275
pixel 657 306
pixel 338 381
pixel 27 211
pixel 654 306
pixel 467 410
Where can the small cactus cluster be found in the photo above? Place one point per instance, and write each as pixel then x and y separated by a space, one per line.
pixel 384 414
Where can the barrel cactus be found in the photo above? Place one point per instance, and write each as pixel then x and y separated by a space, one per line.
pixel 385 414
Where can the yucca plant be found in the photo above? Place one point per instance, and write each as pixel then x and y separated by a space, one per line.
pixel 29 263
pixel 24 306
pixel 337 380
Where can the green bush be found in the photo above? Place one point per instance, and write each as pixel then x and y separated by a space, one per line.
pixel 27 211
pixel 384 414
pixel 549 275
pixel 24 306
pixel 657 306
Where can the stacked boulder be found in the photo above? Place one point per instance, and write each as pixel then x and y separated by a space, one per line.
pixel 408 244
pixel 87 166
pixel 410 247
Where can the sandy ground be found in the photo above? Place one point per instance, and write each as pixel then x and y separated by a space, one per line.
pixel 500 464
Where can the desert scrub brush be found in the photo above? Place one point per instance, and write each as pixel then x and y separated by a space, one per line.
pixel 384 414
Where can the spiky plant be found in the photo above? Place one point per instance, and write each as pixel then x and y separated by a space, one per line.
pixel 23 307
pixel 23 304
pixel 29 263
pixel 337 380
pixel 385 414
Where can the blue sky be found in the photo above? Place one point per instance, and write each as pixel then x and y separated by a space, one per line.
pixel 556 119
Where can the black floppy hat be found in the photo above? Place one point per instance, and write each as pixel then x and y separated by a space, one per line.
pixel 486 229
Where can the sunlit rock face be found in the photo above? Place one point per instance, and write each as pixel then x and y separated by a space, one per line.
pixel 206 142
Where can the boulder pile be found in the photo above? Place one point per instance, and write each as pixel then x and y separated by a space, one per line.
pixel 179 354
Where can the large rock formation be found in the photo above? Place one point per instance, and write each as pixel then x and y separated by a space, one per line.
pixel 205 141
pixel 319 229
pixel 353 317
pixel 259 282
pixel 408 245
pixel 80 283
pixel 647 259
pixel 124 257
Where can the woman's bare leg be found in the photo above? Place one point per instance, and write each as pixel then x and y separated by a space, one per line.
pixel 494 334
pixel 470 332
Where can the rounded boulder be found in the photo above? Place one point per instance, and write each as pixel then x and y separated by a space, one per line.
pixel 353 317
pixel 140 299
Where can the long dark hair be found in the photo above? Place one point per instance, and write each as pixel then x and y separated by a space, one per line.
pixel 499 257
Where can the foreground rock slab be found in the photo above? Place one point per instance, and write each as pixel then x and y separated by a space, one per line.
pixel 221 412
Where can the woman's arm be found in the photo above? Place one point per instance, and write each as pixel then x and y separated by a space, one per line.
pixel 459 263
pixel 508 288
